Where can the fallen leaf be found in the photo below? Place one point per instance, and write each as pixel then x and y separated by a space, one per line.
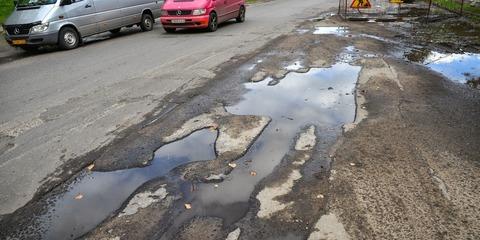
pixel 188 206
pixel 90 167
pixel 253 173
pixel 79 196
pixel 232 165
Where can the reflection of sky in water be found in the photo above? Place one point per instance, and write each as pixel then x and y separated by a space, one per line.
pixel 331 30
pixel 105 192
pixel 305 99
pixel 454 66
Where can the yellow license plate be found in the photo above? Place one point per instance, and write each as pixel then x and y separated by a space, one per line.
pixel 19 42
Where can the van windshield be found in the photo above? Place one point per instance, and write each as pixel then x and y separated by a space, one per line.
pixel 28 3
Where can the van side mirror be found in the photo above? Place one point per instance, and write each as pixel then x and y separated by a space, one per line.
pixel 65 2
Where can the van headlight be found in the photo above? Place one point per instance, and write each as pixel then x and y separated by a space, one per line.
pixel 39 28
pixel 197 12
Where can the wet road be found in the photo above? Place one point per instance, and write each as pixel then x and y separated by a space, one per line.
pixel 60 105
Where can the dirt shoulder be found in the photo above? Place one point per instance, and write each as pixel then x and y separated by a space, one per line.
pixel 410 170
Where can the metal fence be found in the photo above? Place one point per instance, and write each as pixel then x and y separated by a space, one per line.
pixel 387 10
pixel 460 7
pixel 380 9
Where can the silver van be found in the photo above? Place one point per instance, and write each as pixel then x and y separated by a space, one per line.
pixel 66 22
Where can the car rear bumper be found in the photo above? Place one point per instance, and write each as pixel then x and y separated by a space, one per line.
pixel 190 21
pixel 33 39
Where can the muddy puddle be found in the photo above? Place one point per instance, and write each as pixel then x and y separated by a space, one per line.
pixel 456 67
pixel 93 196
pixel 322 97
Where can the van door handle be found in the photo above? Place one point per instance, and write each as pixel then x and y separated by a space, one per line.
pixel 88 6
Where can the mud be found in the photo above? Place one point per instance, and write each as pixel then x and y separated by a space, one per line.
pixel 366 196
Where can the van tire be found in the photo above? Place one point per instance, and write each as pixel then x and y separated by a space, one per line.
pixel 169 30
pixel 116 30
pixel 68 38
pixel 241 15
pixel 147 22
pixel 212 22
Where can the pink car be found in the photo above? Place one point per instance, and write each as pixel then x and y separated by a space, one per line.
pixel 206 14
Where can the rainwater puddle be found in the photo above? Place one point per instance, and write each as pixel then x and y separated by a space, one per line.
pixel 457 67
pixel 340 31
pixel 322 97
pixel 104 192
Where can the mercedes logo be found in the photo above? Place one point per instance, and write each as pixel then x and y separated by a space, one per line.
pixel 179 12
pixel 16 31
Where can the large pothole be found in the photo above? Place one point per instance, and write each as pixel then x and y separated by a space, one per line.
pixel 321 97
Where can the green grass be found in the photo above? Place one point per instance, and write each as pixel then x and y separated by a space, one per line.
pixel 6 7
pixel 456 6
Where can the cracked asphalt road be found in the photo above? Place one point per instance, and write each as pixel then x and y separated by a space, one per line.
pixel 336 135
pixel 60 105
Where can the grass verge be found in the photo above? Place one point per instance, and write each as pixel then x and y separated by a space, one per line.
pixel 6 7
pixel 456 6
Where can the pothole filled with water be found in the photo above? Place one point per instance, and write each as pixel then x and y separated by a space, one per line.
pixel 93 196
pixel 322 97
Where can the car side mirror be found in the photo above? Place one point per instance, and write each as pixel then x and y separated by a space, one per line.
pixel 65 2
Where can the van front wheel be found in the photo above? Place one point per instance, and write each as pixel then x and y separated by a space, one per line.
pixel 147 22
pixel 68 38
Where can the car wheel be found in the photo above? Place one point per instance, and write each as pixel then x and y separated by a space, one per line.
pixel 68 38
pixel 116 30
pixel 241 15
pixel 169 30
pixel 213 22
pixel 147 22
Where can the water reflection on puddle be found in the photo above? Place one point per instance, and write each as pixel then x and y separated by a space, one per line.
pixel 331 30
pixel 457 67
pixel 322 97
pixel 104 192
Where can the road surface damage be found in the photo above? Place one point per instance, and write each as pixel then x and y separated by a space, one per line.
pixel 325 133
